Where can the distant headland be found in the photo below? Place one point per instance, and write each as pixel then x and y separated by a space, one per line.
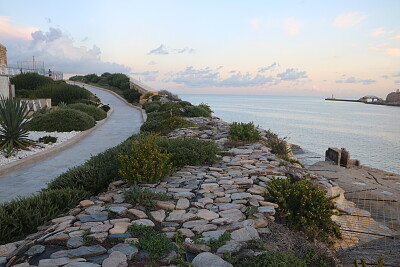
pixel 392 99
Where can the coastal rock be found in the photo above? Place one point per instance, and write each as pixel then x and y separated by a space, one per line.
pixel 158 215
pixel 166 205
pixel 7 249
pixel 182 204
pixel 207 259
pixel 86 251
pixel 75 242
pixel 234 214
pixel 129 250
pixel 35 250
pixel 116 259
pixel 145 222
pixel 138 213
pixel 207 214
pixel 97 217
pixel 245 234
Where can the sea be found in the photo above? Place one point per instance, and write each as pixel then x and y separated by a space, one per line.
pixel 371 133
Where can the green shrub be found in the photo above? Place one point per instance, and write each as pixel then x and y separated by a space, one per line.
pixel 270 259
pixel 93 78
pixel 190 151
pixel 170 124
pixel 278 145
pixel 97 113
pixel 213 243
pixel 184 103
pixel 106 108
pixel 170 106
pixel 62 120
pixel 13 130
pixel 244 132
pixel 157 244
pixel 147 163
pixel 62 92
pixel 47 139
pixel 29 81
pixel 206 107
pixel 131 95
pixel 118 80
pixel 22 216
pixel 303 206
pixel 151 106
pixel 87 102
pixel 150 126
pixel 95 174
pixel 171 96
pixel 137 195
pixel 196 111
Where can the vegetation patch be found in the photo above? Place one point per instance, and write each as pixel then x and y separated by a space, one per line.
pixel 62 120
pixel 213 243
pixel 29 81
pixel 47 139
pixel 244 132
pixel 22 216
pixel 137 195
pixel 190 151
pixel 62 92
pixel 151 106
pixel 95 174
pixel 303 206
pixel 157 244
pixel 147 161
pixel 97 113
pixel 196 111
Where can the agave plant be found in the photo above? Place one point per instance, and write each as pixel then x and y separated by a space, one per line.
pixel 13 132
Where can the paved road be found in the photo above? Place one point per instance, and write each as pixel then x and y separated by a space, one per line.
pixel 123 122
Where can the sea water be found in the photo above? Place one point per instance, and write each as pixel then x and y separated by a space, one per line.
pixel 371 133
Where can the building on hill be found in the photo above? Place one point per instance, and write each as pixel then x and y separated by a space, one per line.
pixel 6 89
pixel 393 98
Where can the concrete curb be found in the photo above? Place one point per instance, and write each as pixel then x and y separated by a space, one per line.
pixel 22 163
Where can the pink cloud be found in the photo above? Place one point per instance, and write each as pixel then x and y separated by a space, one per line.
pixel 11 31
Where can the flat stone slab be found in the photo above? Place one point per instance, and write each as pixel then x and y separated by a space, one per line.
pixel 116 259
pixel 207 259
pixel 86 251
pixel 35 250
pixel 129 250
pixel 97 217
pixel 58 262
pixel 247 233
pixel 82 264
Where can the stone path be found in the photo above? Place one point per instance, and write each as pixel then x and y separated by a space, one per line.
pixel 123 122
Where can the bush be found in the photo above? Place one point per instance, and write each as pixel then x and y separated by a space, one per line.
pixel 303 206
pixel 170 124
pixel 147 162
pixel 47 139
pixel 184 103
pixel 95 174
pixel 106 108
pixel 278 145
pixel 137 195
pixel 196 111
pixel 29 81
pixel 22 216
pixel 244 132
pixel 271 259
pixel 62 92
pixel 62 120
pixel 190 151
pixel 170 106
pixel 118 80
pixel 157 244
pixel 97 113
pixel 170 95
pixel 13 130
pixel 131 95
pixel 151 106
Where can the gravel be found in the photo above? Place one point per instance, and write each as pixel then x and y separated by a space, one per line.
pixel 61 138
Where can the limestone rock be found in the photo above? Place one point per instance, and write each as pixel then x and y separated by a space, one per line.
pixel 197 248
pixel 144 222
pixel 7 249
pixel 63 219
pixel 204 228
pixel 137 213
pixel 231 247
pixel 245 234
pixel 182 204
pixel 207 259
pixel 129 250
pixel 116 259
pixel 35 250
pixel 236 196
pixel 166 205
pixel 234 214
pixel 58 262
pixel 86 203
pixel 75 242
pixel 86 251
pixel 207 214
pixel 97 217
pixel 158 215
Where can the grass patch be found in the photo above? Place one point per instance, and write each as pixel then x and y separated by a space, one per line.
pixel 214 244
pixel 244 132
pixel 97 113
pixel 137 195
pixel 157 244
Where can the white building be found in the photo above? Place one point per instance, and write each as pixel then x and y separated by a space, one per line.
pixel 6 90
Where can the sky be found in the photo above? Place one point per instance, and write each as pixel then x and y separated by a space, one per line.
pixel 300 48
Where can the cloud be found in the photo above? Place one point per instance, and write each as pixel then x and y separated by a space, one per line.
pixel 348 19
pixel 9 31
pixel 381 32
pixel 385 76
pixel 58 51
pixel 354 80
pixel 255 23
pixel 292 75
pixel 162 50
pixel 152 62
pixel 396 74
pixel 292 26
pixel 48 20
pixel 397 82
pixel 85 39
pixel 393 52
pixel 270 67
pixel 207 77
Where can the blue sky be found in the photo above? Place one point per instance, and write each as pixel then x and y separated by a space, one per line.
pixel 346 48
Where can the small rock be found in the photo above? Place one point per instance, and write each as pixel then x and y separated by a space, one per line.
pixel 197 248
pixel 58 262
pixel 222 221
pixel 143 222
pixel 182 204
pixel 82 264
pixel 207 215
pixel 207 259
pixel 188 195
pixel 118 210
pixel 194 223
pixel 180 216
pixel 257 190
pixel 116 259
pixel 97 217
pixel 269 210
pixel 101 228
pixel 75 242
pixel 86 251
pixel 119 228
pixel 63 219
pixel 234 214
pixel 86 203
pixel 129 250
pixel 266 203
pixel 214 234
pixel 57 238
pixel 231 247
pixel 158 215
pixel 138 213
pixel 245 234
pixel 204 228
pixel 166 205
pixel 24 264
pixel 237 196
pixel 187 232
pixel 35 250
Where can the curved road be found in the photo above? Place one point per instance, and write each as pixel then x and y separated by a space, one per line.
pixel 123 122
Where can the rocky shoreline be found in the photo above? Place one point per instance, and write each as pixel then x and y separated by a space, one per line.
pixel 207 201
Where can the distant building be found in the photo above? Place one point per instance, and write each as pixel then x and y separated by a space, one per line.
pixel 6 90
pixel 393 98
pixel 370 99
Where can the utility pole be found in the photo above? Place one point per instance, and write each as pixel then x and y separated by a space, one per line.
pixel 33 63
